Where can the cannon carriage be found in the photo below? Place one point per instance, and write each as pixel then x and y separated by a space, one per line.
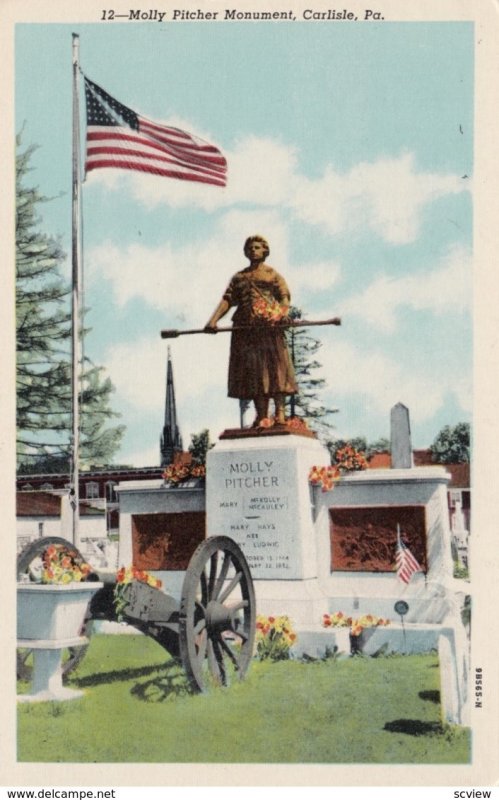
pixel 209 629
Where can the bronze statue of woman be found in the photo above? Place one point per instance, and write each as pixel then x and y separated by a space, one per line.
pixel 260 367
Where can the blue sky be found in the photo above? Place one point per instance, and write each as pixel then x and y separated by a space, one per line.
pixel 350 147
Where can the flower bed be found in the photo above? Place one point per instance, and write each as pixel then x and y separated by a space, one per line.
pixel 274 637
pixel 356 625
pixel 124 577
pixel 177 473
pixel 62 565
pixel 347 459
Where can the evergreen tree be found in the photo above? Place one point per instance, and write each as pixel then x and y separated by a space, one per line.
pixel 303 348
pixel 43 328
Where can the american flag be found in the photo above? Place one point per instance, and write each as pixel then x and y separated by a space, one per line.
pixel 406 563
pixel 118 137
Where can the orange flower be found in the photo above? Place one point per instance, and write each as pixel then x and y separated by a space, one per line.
pixel 198 471
pixel 269 310
pixel 297 423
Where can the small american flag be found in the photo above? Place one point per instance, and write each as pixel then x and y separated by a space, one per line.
pixel 407 564
pixel 118 137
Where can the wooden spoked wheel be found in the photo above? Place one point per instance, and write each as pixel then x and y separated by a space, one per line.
pixel 29 562
pixel 217 615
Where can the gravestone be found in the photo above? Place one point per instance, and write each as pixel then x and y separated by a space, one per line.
pixel 400 434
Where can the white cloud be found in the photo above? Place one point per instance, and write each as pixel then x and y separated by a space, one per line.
pixel 138 372
pixel 138 368
pixel 261 172
pixel 383 381
pixel 386 196
pixel 446 287
pixel 187 282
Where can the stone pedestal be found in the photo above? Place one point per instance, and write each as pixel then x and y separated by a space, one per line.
pixel 453 656
pixel 47 670
pixel 258 494
pixel 49 620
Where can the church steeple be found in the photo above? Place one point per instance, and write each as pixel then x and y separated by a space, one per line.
pixel 171 441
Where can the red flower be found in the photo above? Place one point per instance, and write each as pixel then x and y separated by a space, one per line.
pixel 120 576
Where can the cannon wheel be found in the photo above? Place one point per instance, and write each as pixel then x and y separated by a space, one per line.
pixel 28 561
pixel 217 614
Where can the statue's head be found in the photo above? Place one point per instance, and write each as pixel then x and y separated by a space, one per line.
pixel 260 239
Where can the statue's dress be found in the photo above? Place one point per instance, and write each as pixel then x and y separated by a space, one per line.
pixel 259 363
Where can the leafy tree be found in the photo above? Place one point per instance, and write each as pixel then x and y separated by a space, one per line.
pixel 43 328
pixel 452 444
pixel 358 442
pixel 303 348
pixel 199 446
pixel 381 445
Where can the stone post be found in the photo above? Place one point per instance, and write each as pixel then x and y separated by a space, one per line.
pixel 400 433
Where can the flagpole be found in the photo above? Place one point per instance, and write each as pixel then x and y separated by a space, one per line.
pixel 75 301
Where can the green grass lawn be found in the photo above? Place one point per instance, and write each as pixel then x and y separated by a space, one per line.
pixel 137 708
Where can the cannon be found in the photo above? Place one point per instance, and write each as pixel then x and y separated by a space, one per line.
pixel 210 629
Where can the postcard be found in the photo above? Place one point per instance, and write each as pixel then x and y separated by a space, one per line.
pixel 249 416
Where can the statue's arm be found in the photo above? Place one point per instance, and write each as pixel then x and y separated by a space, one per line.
pixel 219 312
pixel 283 292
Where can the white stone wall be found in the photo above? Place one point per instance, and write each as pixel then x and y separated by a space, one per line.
pixel 28 528
pixel 151 497
pixel 369 592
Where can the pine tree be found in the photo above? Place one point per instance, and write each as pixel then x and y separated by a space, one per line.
pixel 303 347
pixel 43 327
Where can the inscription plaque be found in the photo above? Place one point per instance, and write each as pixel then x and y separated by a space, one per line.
pixel 254 500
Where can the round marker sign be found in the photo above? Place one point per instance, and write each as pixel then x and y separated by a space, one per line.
pixel 401 607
